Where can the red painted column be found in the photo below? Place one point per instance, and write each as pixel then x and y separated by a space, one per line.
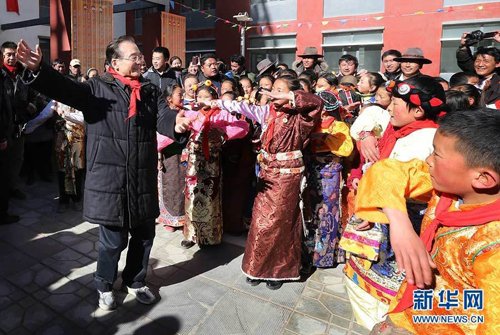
pixel 60 31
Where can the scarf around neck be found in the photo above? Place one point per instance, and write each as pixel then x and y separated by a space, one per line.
pixel 11 70
pixel 391 135
pixel 135 93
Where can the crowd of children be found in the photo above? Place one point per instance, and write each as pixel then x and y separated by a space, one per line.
pixel 332 163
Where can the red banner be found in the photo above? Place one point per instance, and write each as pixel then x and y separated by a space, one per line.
pixel 13 6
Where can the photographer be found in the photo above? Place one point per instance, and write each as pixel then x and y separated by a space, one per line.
pixel 485 63
pixel 464 55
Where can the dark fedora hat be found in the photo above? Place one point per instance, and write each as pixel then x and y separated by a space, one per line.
pixel 414 55
pixel 265 65
pixel 310 52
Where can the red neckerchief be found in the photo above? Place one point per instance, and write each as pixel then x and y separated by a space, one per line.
pixel 388 140
pixel 11 70
pixel 206 128
pixel 475 217
pixel 271 122
pixel 327 122
pixel 134 85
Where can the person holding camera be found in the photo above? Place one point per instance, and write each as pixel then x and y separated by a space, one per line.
pixel 485 63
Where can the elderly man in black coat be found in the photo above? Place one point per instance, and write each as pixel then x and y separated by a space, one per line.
pixel 122 113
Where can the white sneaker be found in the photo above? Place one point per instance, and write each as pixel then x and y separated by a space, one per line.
pixel 107 300
pixel 142 294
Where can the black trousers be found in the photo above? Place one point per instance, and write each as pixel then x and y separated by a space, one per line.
pixel 38 158
pixel 112 241
pixel 63 196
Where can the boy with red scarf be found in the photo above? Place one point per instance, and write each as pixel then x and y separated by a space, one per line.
pixel 415 105
pixel 460 231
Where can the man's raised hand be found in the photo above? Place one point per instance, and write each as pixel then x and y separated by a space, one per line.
pixel 29 58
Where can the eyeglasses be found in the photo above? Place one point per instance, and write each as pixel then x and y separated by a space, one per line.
pixel 134 58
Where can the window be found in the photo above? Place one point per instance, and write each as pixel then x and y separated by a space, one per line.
pixel 273 10
pixel 198 20
pixel 450 41
pixel 464 2
pixel 198 47
pixel 138 14
pixel 44 8
pixel 281 48
pixel 197 4
pixel 364 45
pixel 332 8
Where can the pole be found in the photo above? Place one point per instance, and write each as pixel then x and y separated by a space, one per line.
pixel 242 37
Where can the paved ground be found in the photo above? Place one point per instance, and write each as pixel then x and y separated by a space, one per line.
pixel 46 285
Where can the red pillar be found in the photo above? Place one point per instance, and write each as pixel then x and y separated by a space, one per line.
pixel 60 31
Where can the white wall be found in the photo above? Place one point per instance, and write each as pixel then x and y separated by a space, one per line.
pixel 28 10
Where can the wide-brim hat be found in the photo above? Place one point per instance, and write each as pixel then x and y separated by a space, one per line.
pixel 310 52
pixel 265 65
pixel 414 55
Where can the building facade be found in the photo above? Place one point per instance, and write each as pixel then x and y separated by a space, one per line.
pixel 281 29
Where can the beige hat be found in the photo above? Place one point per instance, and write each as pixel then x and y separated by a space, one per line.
pixel 75 62
pixel 413 55
pixel 310 52
pixel 264 65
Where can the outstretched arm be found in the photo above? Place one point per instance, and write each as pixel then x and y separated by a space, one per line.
pixel 255 113
pixel 44 79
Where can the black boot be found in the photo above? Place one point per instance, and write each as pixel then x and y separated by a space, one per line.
pixel 253 282
pixel 273 285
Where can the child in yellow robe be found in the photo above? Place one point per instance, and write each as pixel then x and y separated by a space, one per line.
pixel 460 237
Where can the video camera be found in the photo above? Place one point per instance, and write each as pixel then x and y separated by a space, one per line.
pixel 477 36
